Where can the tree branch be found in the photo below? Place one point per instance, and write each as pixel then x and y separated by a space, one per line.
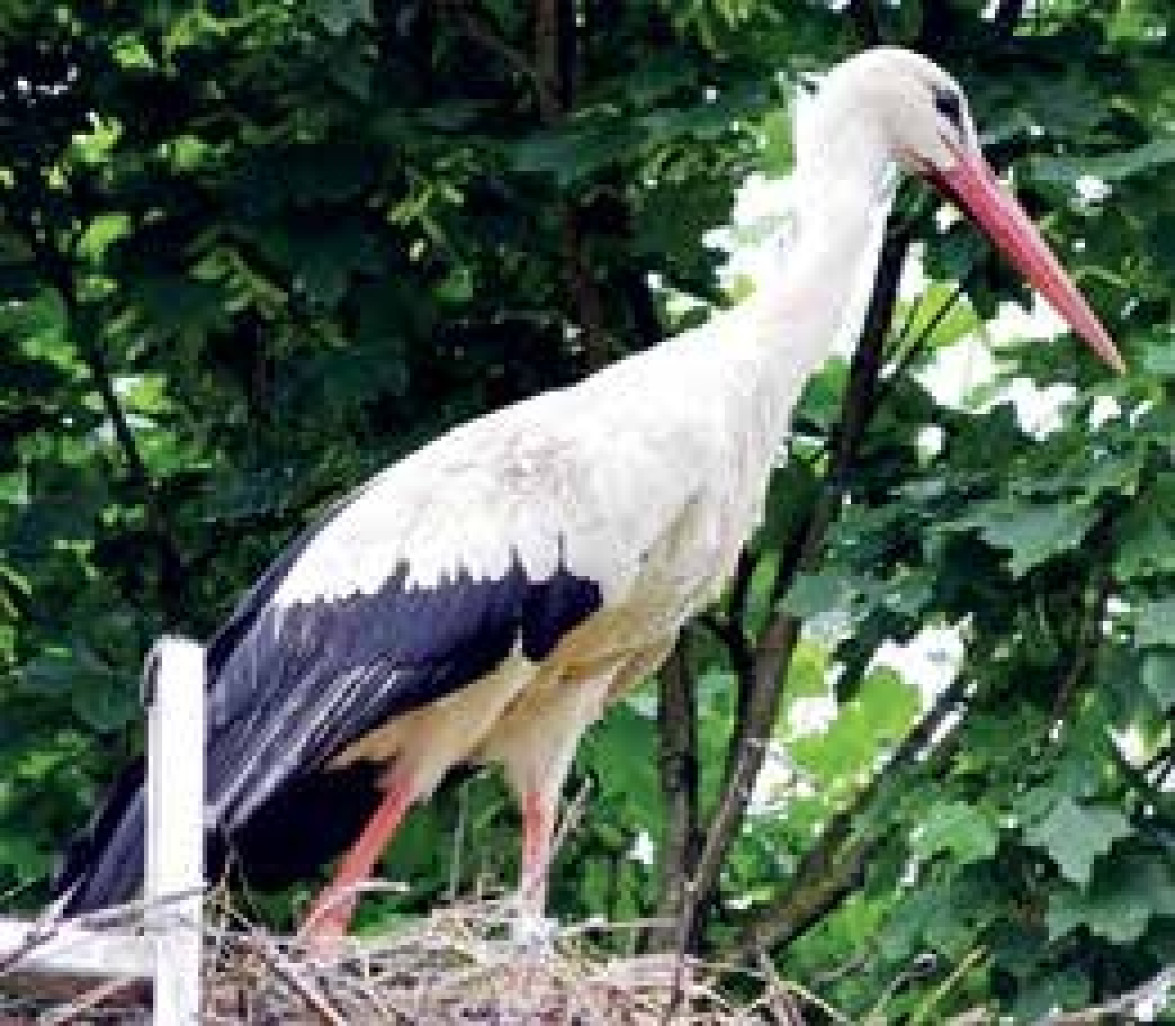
pixel 588 301
pixel 547 63
pixel 1007 16
pixel 555 60
pixel 864 16
pixel 678 732
pixel 83 332
pixel 635 287
pixel 832 869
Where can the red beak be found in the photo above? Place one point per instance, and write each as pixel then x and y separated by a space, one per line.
pixel 974 186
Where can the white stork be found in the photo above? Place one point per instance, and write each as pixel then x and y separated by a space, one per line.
pixel 483 600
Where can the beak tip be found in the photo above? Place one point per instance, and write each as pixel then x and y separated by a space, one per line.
pixel 1104 346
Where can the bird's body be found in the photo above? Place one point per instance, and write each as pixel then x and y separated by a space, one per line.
pixel 482 600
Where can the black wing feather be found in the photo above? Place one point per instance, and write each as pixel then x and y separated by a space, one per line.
pixel 309 680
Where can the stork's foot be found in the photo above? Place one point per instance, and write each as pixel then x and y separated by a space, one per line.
pixel 533 932
pixel 324 930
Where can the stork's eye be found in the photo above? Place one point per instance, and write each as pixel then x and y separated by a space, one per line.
pixel 950 105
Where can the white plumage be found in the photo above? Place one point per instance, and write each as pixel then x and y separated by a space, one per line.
pixel 483 600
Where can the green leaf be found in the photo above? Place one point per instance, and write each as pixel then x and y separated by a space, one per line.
pixel 1158 357
pixel 1156 624
pixel 790 494
pixel 337 16
pixel 1126 894
pixel 864 731
pixel 1033 532
pixel 1075 835
pixel 778 157
pixel 958 828
pixel 1110 167
pixel 39 325
pixel 101 232
pixel 1066 989
pixel 820 402
pixel 811 594
pixel 1147 545
pixel 1119 917
pixel 1158 677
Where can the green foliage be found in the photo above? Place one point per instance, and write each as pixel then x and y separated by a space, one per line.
pixel 251 252
pixel 1075 835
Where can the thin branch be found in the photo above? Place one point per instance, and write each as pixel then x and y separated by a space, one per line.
pixel 740 586
pixel 458 844
pixel 832 868
pixel 1155 991
pixel 486 36
pixel 289 972
pixel 1164 774
pixel 1007 16
pixel 773 653
pixel 915 348
pixel 83 1003
pixel 588 300
pixel 1085 646
pixel 554 66
pixel 803 994
pixel 83 332
pixel 732 630
pixel 736 640
pixel 973 959
pixel 634 286
pixel 48 926
pixel 908 321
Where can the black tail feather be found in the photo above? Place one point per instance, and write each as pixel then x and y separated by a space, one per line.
pixel 303 827
pixel 103 865
pixel 300 829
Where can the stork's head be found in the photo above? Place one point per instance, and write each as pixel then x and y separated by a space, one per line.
pixel 913 111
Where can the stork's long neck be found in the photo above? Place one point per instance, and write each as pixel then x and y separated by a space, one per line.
pixel 816 296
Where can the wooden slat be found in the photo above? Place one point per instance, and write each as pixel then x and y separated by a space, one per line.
pixel 72 951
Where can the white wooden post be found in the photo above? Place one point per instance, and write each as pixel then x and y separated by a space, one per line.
pixel 173 686
pixel 169 952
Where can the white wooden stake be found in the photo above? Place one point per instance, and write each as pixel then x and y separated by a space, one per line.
pixel 173 685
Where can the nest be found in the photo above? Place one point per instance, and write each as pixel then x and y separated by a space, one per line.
pixel 463 964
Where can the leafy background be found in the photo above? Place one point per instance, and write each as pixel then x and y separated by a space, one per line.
pixel 251 252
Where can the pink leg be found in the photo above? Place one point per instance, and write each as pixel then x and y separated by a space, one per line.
pixel 332 912
pixel 538 821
